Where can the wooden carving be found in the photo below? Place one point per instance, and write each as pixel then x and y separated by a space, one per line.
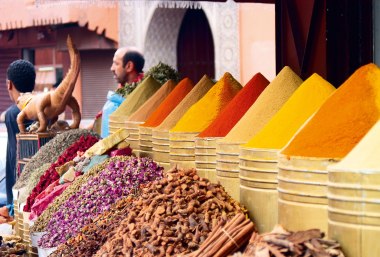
pixel 47 106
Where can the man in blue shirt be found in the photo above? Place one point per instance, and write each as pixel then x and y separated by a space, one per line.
pixel 21 78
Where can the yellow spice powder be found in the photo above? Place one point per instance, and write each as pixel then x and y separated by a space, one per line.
pixel 343 120
pixel 300 106
pixel 202 113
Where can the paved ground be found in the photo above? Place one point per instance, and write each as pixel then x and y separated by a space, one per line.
pixel 5 229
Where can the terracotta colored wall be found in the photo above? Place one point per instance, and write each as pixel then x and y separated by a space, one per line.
pixel 257 40
pixel 100 18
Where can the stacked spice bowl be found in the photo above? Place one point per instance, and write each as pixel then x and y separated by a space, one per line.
pixel 26 235
pixel 258 158
pixel 160 133
pixel 182 149
pixel 20 220
pixel 303 174
pixel 114 125
pixel 15 211
pixel 354 198
pixel 258 186
pixel 302 192
pixel 130 105
pixel 134 136
pixel 163 110
pixel 143 114
pixel 262 110
pixel 145 142
pixel 161 147
pixel 205 157
pixel 132 127
pixel 205 145
pixel 227 167
pixel 198 118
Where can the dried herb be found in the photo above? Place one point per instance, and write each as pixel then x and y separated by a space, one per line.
pixel 51 174
pixel 42 221
pixel 163 72
pixel 49 152
pixel 32 182
pixel 117 180
pixel 95 234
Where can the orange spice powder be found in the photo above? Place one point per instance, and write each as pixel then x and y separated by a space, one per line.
pixel 170 102
pixel 153 102
pixel 238 106
pixel 202 113
pixel 342 120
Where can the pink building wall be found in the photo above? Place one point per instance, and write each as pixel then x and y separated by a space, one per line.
pixel 257 41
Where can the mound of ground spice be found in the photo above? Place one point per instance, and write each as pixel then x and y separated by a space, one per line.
pixel 265 107
pixel 153 102
pixel 364 157
pixel 301 105
pixel 170 102
pixel 134 100
pixel 202 113
pixel 199 90
pixel 343 119
pixel 238 106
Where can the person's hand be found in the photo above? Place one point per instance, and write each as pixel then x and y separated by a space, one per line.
pixel 4 212
pixel 3 220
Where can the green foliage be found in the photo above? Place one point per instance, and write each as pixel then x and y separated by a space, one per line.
pixel 163 72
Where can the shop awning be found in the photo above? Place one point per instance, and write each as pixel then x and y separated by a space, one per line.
pixel 33 13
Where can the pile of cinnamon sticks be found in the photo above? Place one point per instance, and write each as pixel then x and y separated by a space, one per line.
pixel 226 238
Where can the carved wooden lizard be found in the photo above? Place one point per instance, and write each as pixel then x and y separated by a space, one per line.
pixel 47 106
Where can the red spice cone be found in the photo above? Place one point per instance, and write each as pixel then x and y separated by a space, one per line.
pixel 238 106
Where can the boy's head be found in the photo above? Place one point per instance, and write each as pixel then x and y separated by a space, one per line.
pixel 22 75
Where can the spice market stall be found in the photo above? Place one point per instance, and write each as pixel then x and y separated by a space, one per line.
pixel 255 147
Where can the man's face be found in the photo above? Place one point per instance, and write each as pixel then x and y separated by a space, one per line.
pixel 119 72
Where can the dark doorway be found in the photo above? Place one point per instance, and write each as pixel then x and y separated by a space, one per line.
pixel 195 46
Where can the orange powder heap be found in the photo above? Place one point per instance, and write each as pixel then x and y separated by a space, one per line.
pixel 230 115
pixel 170 102
pixel 199 90
pixel 343 119
pixel 202 113
pixel 153 102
